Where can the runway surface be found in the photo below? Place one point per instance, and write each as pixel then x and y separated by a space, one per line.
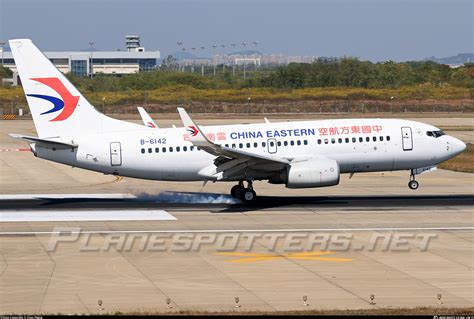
pixel 224 203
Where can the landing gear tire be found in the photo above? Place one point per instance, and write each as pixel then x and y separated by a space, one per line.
pixel 413 184
pixel 248 196
pixel 236 191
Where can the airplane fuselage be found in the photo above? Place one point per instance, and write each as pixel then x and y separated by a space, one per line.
pixel 358 145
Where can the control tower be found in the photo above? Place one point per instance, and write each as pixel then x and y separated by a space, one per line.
pixel 133 43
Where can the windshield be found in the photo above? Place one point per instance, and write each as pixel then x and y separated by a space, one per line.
pixel 435 134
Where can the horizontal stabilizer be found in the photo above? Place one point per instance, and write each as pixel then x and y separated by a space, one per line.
pixel 45 142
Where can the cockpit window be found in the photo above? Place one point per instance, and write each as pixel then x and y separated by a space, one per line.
pixel 435 134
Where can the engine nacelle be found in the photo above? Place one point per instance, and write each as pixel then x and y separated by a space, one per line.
pixel 317 172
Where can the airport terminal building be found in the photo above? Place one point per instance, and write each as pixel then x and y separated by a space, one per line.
pixel 132 60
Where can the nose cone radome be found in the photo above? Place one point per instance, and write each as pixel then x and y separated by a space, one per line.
pixel 458 146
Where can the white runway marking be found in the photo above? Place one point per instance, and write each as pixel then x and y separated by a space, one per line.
pixel 190 231
pixel 66 196
pixel 95 215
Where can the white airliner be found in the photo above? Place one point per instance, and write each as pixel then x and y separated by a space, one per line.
pixel 298 154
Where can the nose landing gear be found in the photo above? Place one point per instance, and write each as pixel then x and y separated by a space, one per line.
pixel 413 184
pixel 246 195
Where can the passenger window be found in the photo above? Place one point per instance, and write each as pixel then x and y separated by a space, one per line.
pixel 177 148
pixel 248 145
pixel 157 150
pixel 185 148
pixel 241 145
pixel 326 141
pixel 279 143
pixel 298 142
pixel 347 140
pixel 361 139
pixel 305 142
pixel 374 138
pixel 163 150
pixel 354 140
pixel 388 138
pixel 255 144
pixel 333 140
pixel 233 145
pixel 285 143
pixel 227 145
pixel 143 151
pixel 150 150
pixel 191 148
pixel 319 141
pixel 381 138
pixel 171 149
pixel 367 139
pixel 264 144
pixel 292 143
pixel 339 140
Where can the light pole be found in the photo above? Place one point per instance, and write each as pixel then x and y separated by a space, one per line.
pixel 223 54
pixel 179 44
pixel 92 60
pixel 244 44
pixel 233 62
pixel 202 64
pixel 184 65
pixel 214 46
pixel 193 49
pixel 255 43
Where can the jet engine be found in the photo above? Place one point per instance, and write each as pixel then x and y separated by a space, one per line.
pixel 316 172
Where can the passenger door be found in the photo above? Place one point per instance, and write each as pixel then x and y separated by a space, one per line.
pixel 115 154
pixel 407 139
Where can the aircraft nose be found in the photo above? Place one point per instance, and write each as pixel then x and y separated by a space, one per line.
pixel 457 146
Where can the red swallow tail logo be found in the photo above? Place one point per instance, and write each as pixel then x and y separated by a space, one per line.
pixel 67 104
pixel 192 130
pixel 151 124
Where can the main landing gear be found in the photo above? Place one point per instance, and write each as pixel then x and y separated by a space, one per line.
pixel 246 195
pixel 413 184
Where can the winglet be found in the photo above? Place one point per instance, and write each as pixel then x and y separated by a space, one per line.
pixel 195 134
pixel 146 118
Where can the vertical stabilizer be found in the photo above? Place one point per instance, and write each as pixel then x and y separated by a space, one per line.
pixel 57 107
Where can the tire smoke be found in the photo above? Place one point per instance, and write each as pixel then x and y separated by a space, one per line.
pixel 187 198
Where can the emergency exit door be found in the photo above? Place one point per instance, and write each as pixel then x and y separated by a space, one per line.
pixel 407 139
pixel 115 154
pixel 272 146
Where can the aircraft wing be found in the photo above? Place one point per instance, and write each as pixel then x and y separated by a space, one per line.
pixel 146 118
pixel 230 162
